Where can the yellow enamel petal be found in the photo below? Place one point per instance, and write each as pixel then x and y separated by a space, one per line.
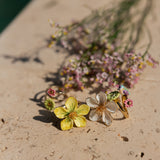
pixel 66 124
pixel 71 104
pixel 83 110
pixel 80 121
pixel 60 112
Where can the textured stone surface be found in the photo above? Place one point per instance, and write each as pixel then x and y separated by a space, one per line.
pixel 29 132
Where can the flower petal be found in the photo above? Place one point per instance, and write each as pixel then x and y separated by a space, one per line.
pixel 60 112
pixel 80 121
pixel 71 104
pixel 112 107
pixel 94 116
pixel 101 98
pixel 83 110
pixel 106 118
pixel 91 102
pixel 66 124
pixel 113 95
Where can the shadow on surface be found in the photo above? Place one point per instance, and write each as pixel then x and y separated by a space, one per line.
pixel 34 56
pixel 46 116
pixel 39 98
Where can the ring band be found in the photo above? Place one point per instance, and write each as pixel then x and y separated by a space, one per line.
pixel 122 107
pixel 123 110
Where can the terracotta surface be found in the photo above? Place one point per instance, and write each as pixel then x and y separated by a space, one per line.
pixel 29 132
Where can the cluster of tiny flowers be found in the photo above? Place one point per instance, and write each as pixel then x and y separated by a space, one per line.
pixel 100 55
pixel 58 32
pixel 104 69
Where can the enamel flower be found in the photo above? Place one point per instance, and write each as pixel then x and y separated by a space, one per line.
pixel 128 103
pixel 49 104
pixel 112 96
pixel 101 109
pixel 71 114
pixel 123 90
pixel 121 99
pixel 51 92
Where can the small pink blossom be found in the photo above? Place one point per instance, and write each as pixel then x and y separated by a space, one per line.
pixel 104 75
pixel 128 103
pixel 51 92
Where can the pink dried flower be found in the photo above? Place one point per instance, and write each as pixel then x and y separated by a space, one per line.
pixel 128 103
pixel 104 75
pixel 151 62
pixel 51 92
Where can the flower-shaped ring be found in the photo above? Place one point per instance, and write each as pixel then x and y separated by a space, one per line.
pixel 120 100
pixel 56 94
pixel 101 108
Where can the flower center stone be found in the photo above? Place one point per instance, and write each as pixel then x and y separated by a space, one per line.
pixel 49 104
pixel 72 115
pixel 100 109
pixel 129 103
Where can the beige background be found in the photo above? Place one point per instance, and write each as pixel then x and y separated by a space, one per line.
pixel 28 131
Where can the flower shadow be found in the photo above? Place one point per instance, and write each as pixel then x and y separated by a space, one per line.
pixel 39 98
pixel 26 57
pixel 44 116
pixel 118 119
pixel 48 117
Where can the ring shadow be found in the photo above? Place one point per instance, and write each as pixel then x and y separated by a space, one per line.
pixel 48 117
pixel 45 116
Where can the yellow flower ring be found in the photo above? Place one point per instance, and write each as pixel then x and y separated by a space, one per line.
pixel 72 114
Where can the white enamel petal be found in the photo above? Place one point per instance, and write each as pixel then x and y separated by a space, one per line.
pixel 101 98
pixel 94 116
pixel 91 102
pixel 106 118
pixel 112 107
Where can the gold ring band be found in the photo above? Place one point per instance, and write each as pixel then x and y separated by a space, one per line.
pixel 123 110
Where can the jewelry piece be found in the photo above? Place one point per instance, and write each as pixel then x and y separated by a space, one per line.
pixel 71 114
pixel 57 95
pixel 121 99
pixel 54 96
pixel 122 107
pixel 101 108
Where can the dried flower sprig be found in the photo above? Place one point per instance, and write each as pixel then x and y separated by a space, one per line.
pixel 105 55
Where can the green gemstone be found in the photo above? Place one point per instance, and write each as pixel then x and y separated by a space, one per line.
pixel 113 95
